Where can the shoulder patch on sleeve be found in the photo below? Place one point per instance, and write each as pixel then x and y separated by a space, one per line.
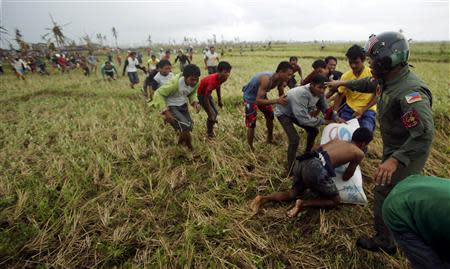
pixel 413 97
pixel 410 119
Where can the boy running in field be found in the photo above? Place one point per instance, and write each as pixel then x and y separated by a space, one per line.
pixel 293 60
pixel 173 99
pixel 152 63
pixel 109 70
pixel 211 59
pixel 165 73
pixel 19 68
pixel 131 66
pixel 184 60
pixel 315 171
pixel 255 97
pixel 92 62
pixel 207 85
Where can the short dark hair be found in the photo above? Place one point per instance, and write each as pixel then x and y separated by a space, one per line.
pixel 223 66
pixel 167 51
pixel 355 52
pixel 329 58
pixel 319 79
pixel 293 58
pixel 362 135
pixel 191 70
pixel 163 63
pixel 283 66
pixel 319 64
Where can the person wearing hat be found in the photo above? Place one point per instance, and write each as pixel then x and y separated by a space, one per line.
pixel 406 123
pixel 303 103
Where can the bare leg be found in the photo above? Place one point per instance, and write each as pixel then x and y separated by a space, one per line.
pixel 187 139
pixel 277 197
pixel 210 128
pixel 250 136
pixel 269 125
pixel 317 203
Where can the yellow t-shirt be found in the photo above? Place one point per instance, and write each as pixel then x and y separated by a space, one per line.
pixel 152 64
pixel 357 100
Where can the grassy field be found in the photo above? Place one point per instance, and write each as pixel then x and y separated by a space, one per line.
pixel 91 177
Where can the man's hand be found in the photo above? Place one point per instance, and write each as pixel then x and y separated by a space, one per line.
pixel 282 100
pixel 334 83
pixel 385 171
pixel 196 106
pixel 220 104
pixel 168 117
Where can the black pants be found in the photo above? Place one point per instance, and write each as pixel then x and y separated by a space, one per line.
pixel 294 140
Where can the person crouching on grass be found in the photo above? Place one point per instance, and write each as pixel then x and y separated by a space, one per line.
pixel 175 95
pixel 207 85
pixel 315 170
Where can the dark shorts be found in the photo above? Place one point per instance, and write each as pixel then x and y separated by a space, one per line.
pixel 201 100
pixel 311 174
pixel 183 120
pixel 133 76
pixel 109 74
pixel 212 70
pixel 251 110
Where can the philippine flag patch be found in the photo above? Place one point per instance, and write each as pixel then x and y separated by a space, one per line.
pixel 413 97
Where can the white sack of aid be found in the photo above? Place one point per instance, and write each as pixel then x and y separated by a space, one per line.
pixel 350 191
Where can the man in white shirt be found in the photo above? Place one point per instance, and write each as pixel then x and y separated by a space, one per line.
pixel 211 60
pixel 131 66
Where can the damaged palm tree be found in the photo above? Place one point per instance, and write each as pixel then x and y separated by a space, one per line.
pixel 57 31
pixel 22 44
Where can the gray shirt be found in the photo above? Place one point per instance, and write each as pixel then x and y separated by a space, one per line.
pixel 301 102
pixel 181 96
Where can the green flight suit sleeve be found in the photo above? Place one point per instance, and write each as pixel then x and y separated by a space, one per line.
pixel 417 118
pixel 159 98
pixel 365 85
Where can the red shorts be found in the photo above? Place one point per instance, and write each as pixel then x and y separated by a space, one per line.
pixel 251 110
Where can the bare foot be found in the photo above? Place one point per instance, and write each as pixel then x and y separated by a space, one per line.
pixel 256 204
pixel 294 211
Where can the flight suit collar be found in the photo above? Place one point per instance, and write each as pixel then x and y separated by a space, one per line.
pixel 403 72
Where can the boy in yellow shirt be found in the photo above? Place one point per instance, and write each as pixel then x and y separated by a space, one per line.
pixel 358 105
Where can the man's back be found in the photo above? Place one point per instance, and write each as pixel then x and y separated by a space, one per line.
pixel 342 152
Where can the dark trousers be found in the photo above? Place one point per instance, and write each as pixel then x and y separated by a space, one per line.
pixel 383 235
pixel 421 255
pixel 294 140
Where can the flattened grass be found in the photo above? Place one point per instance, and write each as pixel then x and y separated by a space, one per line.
pixel 90 177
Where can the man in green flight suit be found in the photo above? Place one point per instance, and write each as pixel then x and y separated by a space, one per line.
pixel 406 123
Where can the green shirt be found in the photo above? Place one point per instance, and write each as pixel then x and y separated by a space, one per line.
pixel 421 205
pixel 169 89
pixel 405 116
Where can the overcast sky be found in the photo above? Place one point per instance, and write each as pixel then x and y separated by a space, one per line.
pixel 290 20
